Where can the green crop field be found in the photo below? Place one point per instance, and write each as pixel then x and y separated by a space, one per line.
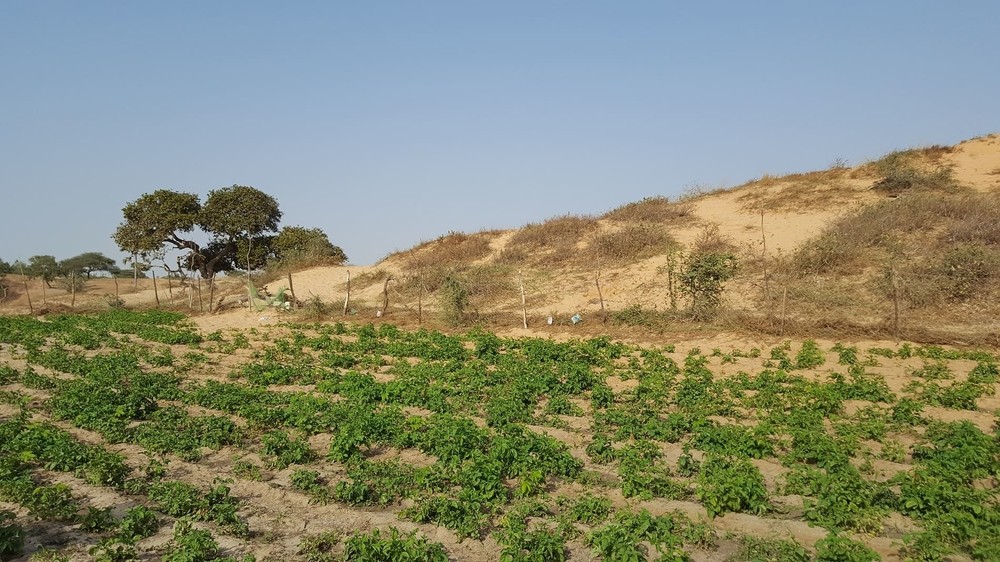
pixel 132 435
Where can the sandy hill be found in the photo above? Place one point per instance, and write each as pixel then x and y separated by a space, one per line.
pixel 908 245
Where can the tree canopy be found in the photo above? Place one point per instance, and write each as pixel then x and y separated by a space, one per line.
pixel 242 227
pixel 165 218
pixel 89 262
pixel 291 246
pixel 44 266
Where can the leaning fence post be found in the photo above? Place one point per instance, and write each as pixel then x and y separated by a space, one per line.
pixel 600 296
pixel 27 293
pixel 156 292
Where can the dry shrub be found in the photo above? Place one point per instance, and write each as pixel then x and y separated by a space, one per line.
pixel 908 170
pixel 449 248
pixel 483 283
pixel 488 284
pixel 797 193
pixel 553 241
pixel 630 243
pixel 556 232
pixel 976 219
pixel 657 209
pixel 452 249
pixel 511 256
pixel 370 278
pixel 919 224
pixel 824 294
pixel 712 241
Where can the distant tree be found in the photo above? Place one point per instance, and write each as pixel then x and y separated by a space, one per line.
pixel 165 218
pixel 6 268
pixel 89 262
pixel 44 267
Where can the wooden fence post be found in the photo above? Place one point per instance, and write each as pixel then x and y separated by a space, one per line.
pixel 72 288
pixel 600 296
pixel 156 291
pixel 784 299
pixel 27 293
pixel 291 290
pixel 524 306
pixel 420 296
pixel 385 296
pixel 895 301
pixel 211 295
pixel 347 297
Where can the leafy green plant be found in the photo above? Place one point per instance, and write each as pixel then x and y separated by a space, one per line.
pixel 310 482
pixel 731 484
pixel 98 520
pixel 589 509
pixel 284 451
pixel 623 539
pixel 243 468
pixel 376 547
pixel 191 545
pixel 114 550
pixel 835 548
pixel 53 501
pixel 757 549
pixel 137 523
pixel 809 356
pixel 11 536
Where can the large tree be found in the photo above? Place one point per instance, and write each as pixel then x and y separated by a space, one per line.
pixel 43 266
pixel 166 219
pixel 89 262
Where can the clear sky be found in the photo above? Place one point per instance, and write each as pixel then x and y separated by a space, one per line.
pixel 388 123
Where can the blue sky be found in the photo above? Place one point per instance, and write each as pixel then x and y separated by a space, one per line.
pixel 388 123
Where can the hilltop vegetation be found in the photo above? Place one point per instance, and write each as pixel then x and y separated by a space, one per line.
pixel 912 234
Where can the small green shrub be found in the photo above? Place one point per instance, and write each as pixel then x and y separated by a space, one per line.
pixel 835 548
pixel 376 547
pixel 702 279
pixel 11 536
pixel 731 484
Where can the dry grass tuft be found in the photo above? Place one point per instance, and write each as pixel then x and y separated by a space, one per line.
pixel 558 232
pixel 914 169
pixel 939 248
pixel 651 209
pixel 630 244
pixel 452 249
pixel 554 241
pixel 917 224
pixel 797 192
pixel 712 241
